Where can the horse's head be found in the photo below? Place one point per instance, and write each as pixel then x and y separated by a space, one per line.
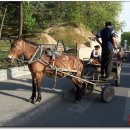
pixel 17 49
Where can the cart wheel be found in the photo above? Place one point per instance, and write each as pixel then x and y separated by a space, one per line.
pixel 107 94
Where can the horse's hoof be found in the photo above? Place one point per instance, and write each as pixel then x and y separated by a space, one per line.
pixel 33 102
pixel 38 100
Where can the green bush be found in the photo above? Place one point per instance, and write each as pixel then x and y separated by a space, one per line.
pixel 4 64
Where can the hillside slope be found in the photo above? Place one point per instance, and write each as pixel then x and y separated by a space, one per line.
pixel 69 34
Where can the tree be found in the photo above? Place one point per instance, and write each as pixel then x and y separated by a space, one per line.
pixel 20 18
pixel 2 22
pixel 125 36
pixel 11 21
pixel 29 21
pixel 41 14
pixel 97 13
pixel 38 9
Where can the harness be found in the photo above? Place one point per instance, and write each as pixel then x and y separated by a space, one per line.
pixel 53 54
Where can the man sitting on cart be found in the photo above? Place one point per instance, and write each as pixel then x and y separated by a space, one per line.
pixel 95 57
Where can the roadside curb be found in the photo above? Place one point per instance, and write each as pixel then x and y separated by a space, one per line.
pixel 13 72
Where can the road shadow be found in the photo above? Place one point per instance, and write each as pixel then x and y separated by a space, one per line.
pixel 25 85
pixel 24 80
pixel 12 95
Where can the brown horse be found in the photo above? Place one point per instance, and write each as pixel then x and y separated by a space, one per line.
pixel 45 66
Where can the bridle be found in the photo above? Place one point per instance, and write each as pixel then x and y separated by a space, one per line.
pixel 37 54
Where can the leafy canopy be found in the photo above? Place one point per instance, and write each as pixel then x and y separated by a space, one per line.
pixel 41 14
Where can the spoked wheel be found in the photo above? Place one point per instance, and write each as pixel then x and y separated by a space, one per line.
pixel 107 93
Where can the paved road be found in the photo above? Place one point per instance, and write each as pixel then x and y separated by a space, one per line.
pixel 91 112
pixel 14 108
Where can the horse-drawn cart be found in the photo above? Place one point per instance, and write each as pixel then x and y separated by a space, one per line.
pixel 92 73
pixel 45 62
pixel 90 83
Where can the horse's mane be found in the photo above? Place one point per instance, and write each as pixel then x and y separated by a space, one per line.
pixel 32 43
pixel 27 41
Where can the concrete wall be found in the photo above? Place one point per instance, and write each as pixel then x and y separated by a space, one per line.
pixel 13 72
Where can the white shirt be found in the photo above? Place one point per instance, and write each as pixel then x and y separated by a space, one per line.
pixel 96 53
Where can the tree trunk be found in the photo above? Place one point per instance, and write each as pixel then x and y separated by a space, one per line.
pixel 2 22
pixel 20 18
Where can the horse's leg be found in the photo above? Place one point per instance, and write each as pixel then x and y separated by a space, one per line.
pixel 33 97
pixel 38 83
pixel 78 92
pixel 78 88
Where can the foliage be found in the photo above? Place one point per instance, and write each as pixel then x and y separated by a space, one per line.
pixel 125 36
pixel 41 14
pixel 38 15
pixel 4 47
pixel 99 12
pixel 11 18
pixel 29 21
